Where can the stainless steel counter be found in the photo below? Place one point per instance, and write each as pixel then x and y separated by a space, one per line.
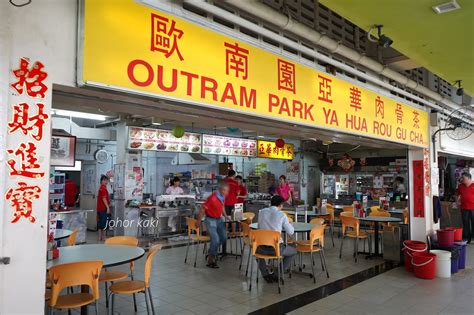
pixel 75 220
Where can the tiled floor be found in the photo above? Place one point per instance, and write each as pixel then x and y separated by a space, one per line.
pixel 179 288
pixel 398 292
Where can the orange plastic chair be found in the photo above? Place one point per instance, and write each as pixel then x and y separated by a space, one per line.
pixel 405 216
pixel 348 209
pixel 346 214
pixel 71 240
pixel 246 242
pixel 271 239
pixel 319 221
pixel 329 220
pixel 248 217
pixel 290 216
pixel 351 229
pixel 313 245
pixel 194 234
pixel 84 273
pixel 137 286
pixel 111 275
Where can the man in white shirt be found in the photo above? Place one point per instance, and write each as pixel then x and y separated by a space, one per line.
pixel 174 189
pixel 274 219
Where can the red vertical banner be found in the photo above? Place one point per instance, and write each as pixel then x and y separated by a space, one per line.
pixel 418 189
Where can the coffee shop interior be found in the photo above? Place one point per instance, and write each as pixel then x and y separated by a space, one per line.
pixel 150 143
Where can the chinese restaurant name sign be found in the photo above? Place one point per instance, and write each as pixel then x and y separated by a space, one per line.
pixel 28 131
pixel 146 51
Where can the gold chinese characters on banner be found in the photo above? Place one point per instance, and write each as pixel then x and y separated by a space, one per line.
pixel 154 53
pixel 268 149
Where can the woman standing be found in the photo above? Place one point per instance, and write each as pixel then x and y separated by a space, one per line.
pixel 284 190
pixel 174 189
pixel 103 207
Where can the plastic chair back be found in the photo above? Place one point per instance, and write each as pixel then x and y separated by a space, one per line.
pixel 74 274
pixel 192 227
pixel 318 221
pixel 348 209
pixel 245 229
pixel 71 240
pixel 350 222
pixel 265 238
pixel 122 240
pixel 346 214
pixel 248 217
pixel 374 208
pixel 316 235
pixel 149 260
pixel 381 214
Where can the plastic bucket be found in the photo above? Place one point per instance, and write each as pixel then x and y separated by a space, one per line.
pixel 462 255
pixel 455 255
pixel 445 237
pixel 424 265
pixel 457 233
pixel 443 263
pixel 410 247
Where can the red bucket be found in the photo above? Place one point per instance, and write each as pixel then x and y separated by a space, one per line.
pixel 410 247
pixel 457 233
pixel 424 265
pixel 446 237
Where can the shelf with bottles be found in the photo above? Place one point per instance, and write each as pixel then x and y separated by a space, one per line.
pixel 57 188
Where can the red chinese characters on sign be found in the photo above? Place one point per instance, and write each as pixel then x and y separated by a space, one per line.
pixel 286 76
pixel 399 114
pixel 236 60
pixel 27 124
pixel 28 165
pixel 30 80
pixel 379 108
pixel 324 89
pixel 355 97
pixel 27 119
pixel 165 36
pixel 21 200
pixel 416 120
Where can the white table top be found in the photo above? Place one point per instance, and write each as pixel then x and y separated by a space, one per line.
pixel 60 234
pixel 299 226
pixel 111 255
pixel 380 219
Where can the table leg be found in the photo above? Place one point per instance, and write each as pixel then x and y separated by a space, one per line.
pixel 376 235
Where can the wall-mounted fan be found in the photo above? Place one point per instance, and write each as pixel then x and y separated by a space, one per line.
pixel 101 156
pixel 457 125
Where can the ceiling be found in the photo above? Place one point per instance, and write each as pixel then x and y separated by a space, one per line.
pixel 441 43
pixel 137 110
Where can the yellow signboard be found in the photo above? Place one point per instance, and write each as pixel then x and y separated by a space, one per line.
pixel 132 47
pixel 268 149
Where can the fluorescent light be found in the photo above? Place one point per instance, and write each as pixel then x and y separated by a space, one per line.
pixel 68 113
pixel 260 137
pixel 76 167
pixel 155 121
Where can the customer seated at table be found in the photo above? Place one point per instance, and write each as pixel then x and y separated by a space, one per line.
pixel 274 219
pixel 215 223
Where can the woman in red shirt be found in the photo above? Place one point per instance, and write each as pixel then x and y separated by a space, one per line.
pixel 466 198
pixel 242 189
pixel 103 207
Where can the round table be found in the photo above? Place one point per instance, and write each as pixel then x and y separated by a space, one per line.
pixel 376 221
pixel 396 211
pixel 111 255
pixel 299 227
pixel 60 234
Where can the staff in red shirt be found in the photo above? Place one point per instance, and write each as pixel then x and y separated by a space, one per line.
pixel 231 200
pixel 103 207
pixel 242 189
pixel 213 208
pixel 466 198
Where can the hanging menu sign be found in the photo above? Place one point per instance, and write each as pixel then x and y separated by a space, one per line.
pixel 163 140
pixel 228 146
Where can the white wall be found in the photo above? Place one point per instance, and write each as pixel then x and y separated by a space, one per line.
pixel 42 31
pixel 464 148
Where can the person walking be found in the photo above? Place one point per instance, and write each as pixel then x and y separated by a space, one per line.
pixel 103 207
pixel 465 194
pixel 275 220
pixel 213 208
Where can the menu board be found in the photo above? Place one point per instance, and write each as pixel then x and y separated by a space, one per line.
pixel 268 149
pixel 228 146
pixel 162 140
